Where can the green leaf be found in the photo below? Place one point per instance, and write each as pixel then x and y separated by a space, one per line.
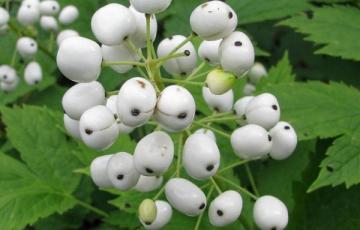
pixel 281 73
pixel 317 109
pixel 24 197
pixel 334 28
pixel 44 148
pixel 342 164
pixel 250 11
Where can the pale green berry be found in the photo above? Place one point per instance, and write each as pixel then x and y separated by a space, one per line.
pixel 147 211
pixel 220 81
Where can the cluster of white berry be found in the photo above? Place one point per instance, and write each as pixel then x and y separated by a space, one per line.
pixel 29 14
pixel 98 121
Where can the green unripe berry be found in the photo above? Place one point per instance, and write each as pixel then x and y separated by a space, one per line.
pixel 147 211
pixel 220 81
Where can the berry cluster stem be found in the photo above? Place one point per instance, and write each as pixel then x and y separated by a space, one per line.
pixel 238 187
pixel 198 222
pixel 251 179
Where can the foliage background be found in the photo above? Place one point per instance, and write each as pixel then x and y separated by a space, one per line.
pixel 313 50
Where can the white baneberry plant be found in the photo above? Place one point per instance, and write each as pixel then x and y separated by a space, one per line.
pixel 160 95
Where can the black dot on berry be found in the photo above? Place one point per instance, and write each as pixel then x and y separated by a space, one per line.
pixel 125 38
pixel 210 167
pixel 273 228
pixel 135 112
pixel 116 116
pixel 147 223
pixel 183 73
pixel 32 44
pixel 238 43
pixel 54 7
pixel 220 213
pixel 207 59
pixel 36 82
pixel 187 53
pixel 269 138
pixel 231 15
pixel 202 206
pixel 244 117
pixel 88 131
pixel 171 37
pixel 275 107
pixel 5 76
pixel 29 6
pixel 182 116
pixel 216 109
pixel 149 170
pixel 287 127
pixel 120 177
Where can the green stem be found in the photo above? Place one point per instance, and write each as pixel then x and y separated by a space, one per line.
pixel 216 115
pixel 161 191
pixel 212 129
pixel 92 208
pixel 175 81
pixel 112 63
pixel 238 187
pixel 148 37
pixel 217 187
pixel 251 178
pixel 197 70
pixel 233 166
pixel 168 57
pixel 51 42
pixel 136 50
pixel 200 75
pixel 215 119
pixel 141 72
pixel 13 58
pixel 198 222
pixel 179 153
pixel 112 93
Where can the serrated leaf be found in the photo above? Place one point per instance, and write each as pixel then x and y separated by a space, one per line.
pixel 250 11
pixel 342 164
pixel 44 148
pixel 317 109
pixel 281 73
pixel 24 197
pixel 334 28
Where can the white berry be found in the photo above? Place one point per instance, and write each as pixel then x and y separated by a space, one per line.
pixel 121 171
pixel 213 20
pixel 181 65
pixel 175 109
pixel 8 87
pixel 150 6
pixel 163 215
pixel 136 101
pixel 49 23
pixel 284 140
pixel 28 13
pixel 263 110
pixel 207 132
pixel 257 72
pixel 240 108
pixel 27 47
pixel 33 73
pixel 49 7
pixel 72 126
pixel 139 37
pixel 154 154
pixel 82 97
pixel 66 34
pixel 219 103
pixel 112 24
pixel 4 16
pixel 68 14
pixel 225 209
pixel 251 142
pixel 201 156
pixel 119 53
pixel 79 59
pixel 185 196
pixel 249 89
pixel 98 127
pixel 8 74
pixel 237 53
pixel 98 171
pixel 270 213
pixel 148 183
pixel 209 51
